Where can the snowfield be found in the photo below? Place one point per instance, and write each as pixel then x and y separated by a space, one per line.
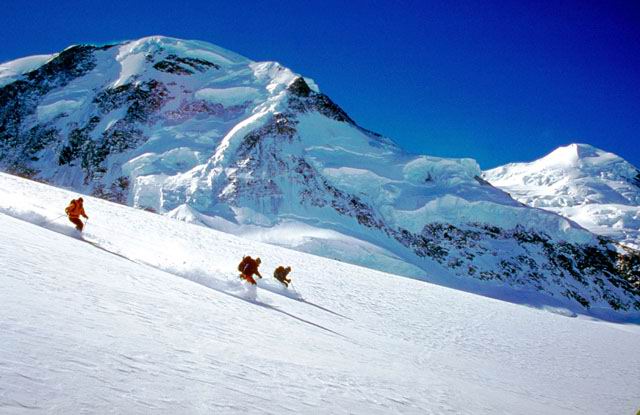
pixel 146 315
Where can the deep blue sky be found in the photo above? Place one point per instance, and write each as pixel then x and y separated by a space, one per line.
pixel 496 81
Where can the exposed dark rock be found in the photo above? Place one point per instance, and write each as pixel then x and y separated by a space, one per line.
pixel 303 99
pixel 300 88
pixel 120 137
pixel 146 100
pixel 114 98
pixel 116 192
pixel 281 127
pixel 38 138
pixel 580 299
pixel 636 180
pixel 482 181
pixel 328 108
pixel 585 264
pixel 259 160
pixel 178 65
pixel 143 99
pixel 70 64
pixel 191 109
pixel 77 143
pixel 20 98
pixel 172 67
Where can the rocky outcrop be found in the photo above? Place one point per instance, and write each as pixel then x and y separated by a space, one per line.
pixel 19 100
pixel 184 66
pixel 303 99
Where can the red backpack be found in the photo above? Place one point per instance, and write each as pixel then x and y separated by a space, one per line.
pixel 243 263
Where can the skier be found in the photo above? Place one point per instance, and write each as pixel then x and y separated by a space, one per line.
pixel 281 273
pixel 74 211
pixel 248 267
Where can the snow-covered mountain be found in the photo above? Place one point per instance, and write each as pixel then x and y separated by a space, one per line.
pixel 144 314
pixel 191 130
pixel 597 189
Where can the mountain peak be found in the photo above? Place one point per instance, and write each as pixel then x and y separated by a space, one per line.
pixel 184 48
pixel 595 188
pixel 576 160
pixel 585 150
pixel 571 155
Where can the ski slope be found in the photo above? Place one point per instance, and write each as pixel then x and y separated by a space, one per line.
pixel 145 315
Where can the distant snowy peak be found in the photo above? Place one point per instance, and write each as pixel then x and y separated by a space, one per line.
pixel 576 155
pixel 186 48
pixel 567 170
pixel 597 189
pixel 572 158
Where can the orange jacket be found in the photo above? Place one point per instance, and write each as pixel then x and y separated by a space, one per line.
pixel 75 210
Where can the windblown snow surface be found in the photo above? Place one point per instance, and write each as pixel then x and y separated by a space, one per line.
pixel 144 314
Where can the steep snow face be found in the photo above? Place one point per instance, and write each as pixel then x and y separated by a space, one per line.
pixel 11 71
pixel 594 188
pixel 144 314
pixel 189 129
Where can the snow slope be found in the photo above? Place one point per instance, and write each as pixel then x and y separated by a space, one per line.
pixel 10 71
pixel 597 189
pixel 148 317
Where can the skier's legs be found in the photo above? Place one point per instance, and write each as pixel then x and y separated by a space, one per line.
pixel 78 223
pixel 248 278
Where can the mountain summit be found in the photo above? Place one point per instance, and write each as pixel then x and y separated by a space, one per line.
pixel 188 129
pixel 597 189
pixel 576 155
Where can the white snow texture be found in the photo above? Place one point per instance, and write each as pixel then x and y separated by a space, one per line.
pixel 144 314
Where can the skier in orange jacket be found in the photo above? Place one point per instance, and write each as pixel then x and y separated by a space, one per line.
pixel 74 211
pixel 248 267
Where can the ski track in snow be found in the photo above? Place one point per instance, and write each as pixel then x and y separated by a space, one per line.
pixel 153 320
